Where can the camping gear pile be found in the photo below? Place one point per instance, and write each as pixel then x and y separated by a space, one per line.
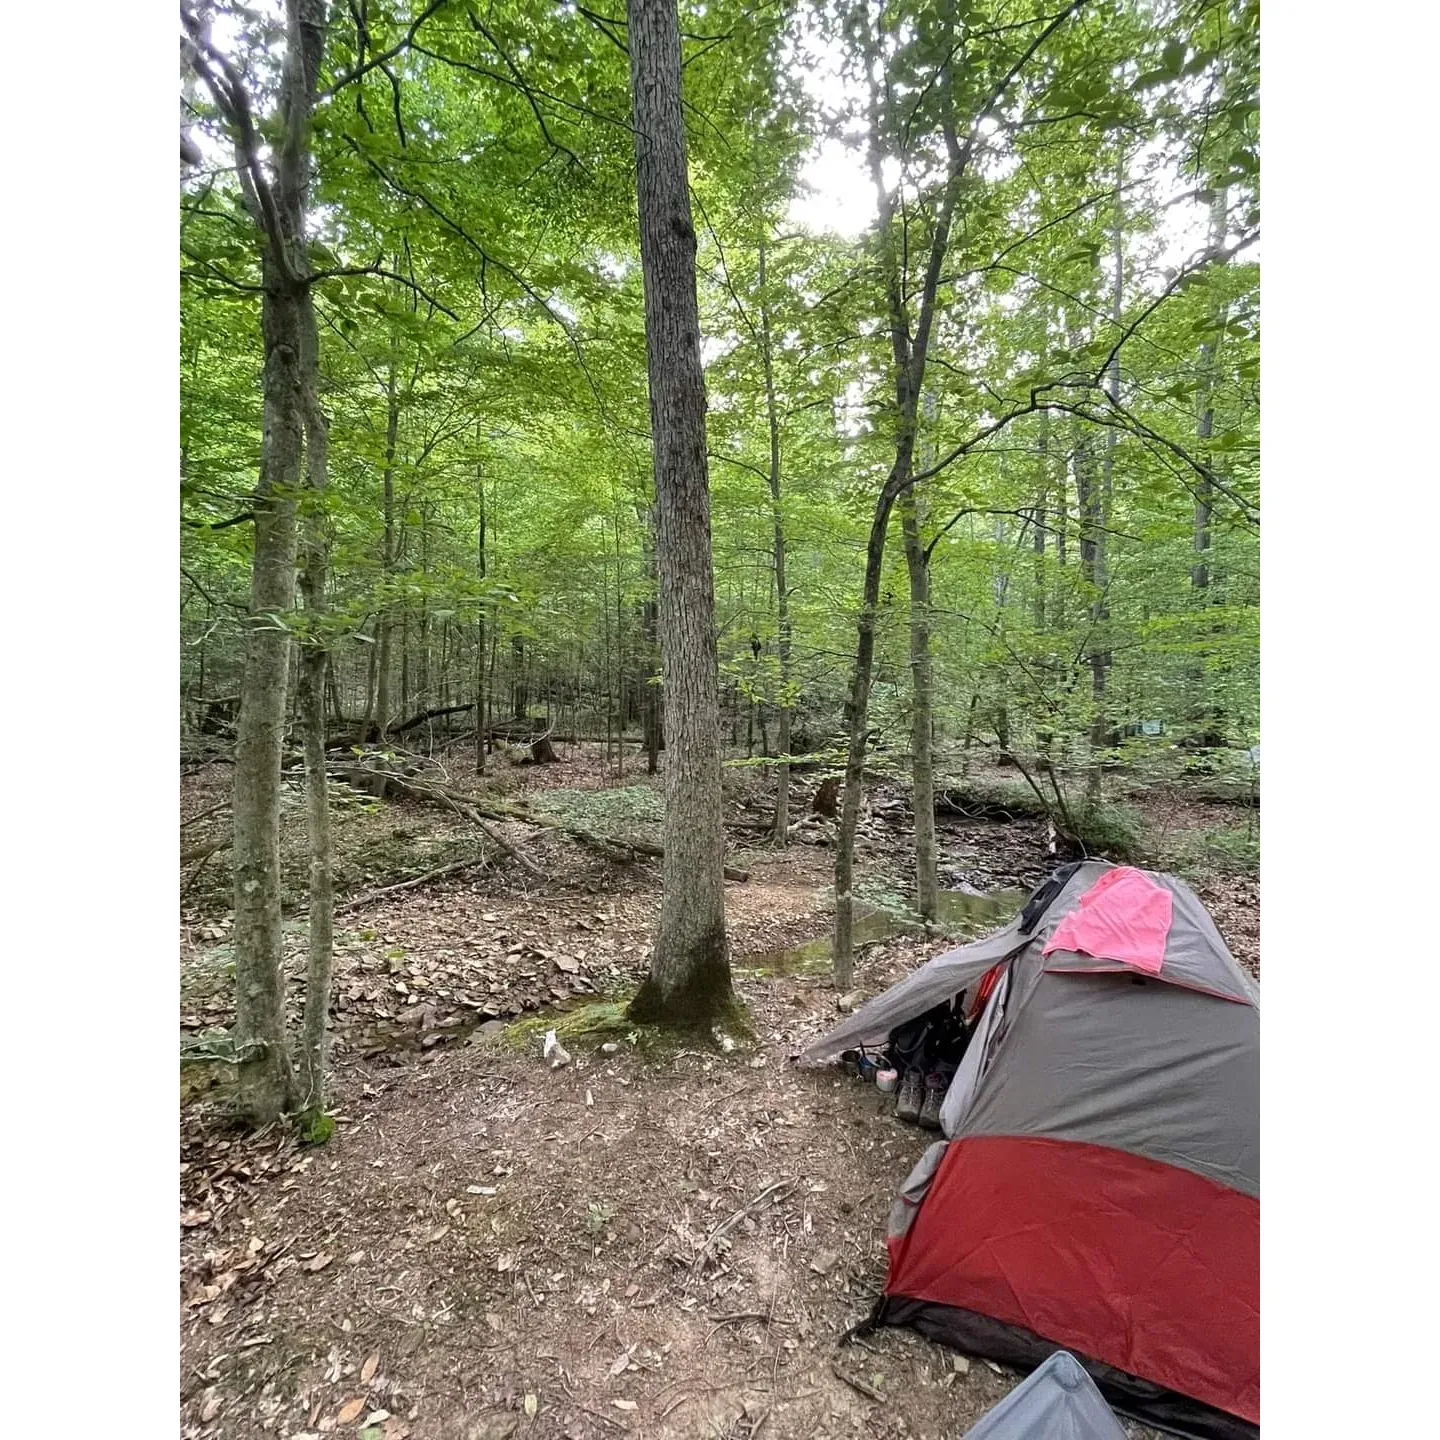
pixel 1093 1069
pixel 921 1056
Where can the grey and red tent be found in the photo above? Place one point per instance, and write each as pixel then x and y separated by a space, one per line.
pixel 1098 1186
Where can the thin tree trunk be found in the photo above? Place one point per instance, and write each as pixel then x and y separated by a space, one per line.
pixel 1042 519
pixel 265 1076
pixel 922 728
pixel 265 1079
pixel 1204 716
pixel 314 663
pixel 909 352
pixel 1102 735
pixel 482 719
pixel 780 824
pixel 689 980
pixel 621 672
pixel 649 630
pixel 382 646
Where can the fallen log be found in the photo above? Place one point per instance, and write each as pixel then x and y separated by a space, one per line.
pixel 438 873
pixel 425 715
pixel 460 803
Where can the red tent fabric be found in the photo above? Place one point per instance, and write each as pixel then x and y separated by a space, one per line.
pixel 1148 1267
pixel 1124 916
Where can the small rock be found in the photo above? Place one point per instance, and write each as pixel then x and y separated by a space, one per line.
pixel 960 1364
pixel 556 1055
pixel 851 1000
pixel 824 1262
pixel 610 1047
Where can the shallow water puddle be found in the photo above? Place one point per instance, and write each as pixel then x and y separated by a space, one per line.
pixel 964 915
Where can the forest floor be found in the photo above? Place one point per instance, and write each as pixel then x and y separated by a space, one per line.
pixel 651 1241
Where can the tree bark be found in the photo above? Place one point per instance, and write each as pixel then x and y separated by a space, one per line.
pixel 1102 732
pixel 382 646
pixel 689 981
pixel 314 662
pixel 266 1082
pixel 1204 716
pixel 922 725
pixel 780 824
pixel 649 627
pixel 909 351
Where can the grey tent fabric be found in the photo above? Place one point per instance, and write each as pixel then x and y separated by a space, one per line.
pixel 1058 1401
pixel 914 1190
pixel 978 1054
pixel 938 980
pixel 1169 1073
pixel 1195 958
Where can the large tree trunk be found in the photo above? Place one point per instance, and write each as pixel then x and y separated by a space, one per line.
pixel 780 825
pixel 689 980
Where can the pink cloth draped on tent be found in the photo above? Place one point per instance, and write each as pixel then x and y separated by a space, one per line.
pixel 1124 916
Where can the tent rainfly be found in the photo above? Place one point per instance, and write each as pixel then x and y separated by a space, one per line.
pixel 1097 1188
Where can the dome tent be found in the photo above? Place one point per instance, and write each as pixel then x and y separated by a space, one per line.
pixel 1098 1186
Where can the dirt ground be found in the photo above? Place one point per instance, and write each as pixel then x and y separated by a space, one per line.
pixel 650 1241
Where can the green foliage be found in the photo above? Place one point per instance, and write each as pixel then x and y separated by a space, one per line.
pixel 316 1128
pixel 1112 832
pixel 1236 849
pixel 615 808
pixel 484 373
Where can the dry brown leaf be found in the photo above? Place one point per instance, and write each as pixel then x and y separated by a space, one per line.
pixel 316 1265
pixel 368 1369
pixel 624 1404
pixel 191 1218
pixel 350 1411
pixel 211 1408
pixel 622 1361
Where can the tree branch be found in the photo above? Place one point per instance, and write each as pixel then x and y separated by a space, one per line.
pixel 350 77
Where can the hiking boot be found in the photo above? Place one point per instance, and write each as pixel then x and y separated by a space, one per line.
pixel 936 1085
pixel 912 1088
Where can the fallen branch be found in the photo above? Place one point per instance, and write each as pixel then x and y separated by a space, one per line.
pixel 200 815
pixel 203 851
pixel 472 807
pixel 739 1215
pixel 439 872
pixel 856 1383
pixel 425 715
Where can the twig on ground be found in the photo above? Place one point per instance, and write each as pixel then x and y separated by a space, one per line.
pixel 439 872
pixel 770 1190
pixel 856 1383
